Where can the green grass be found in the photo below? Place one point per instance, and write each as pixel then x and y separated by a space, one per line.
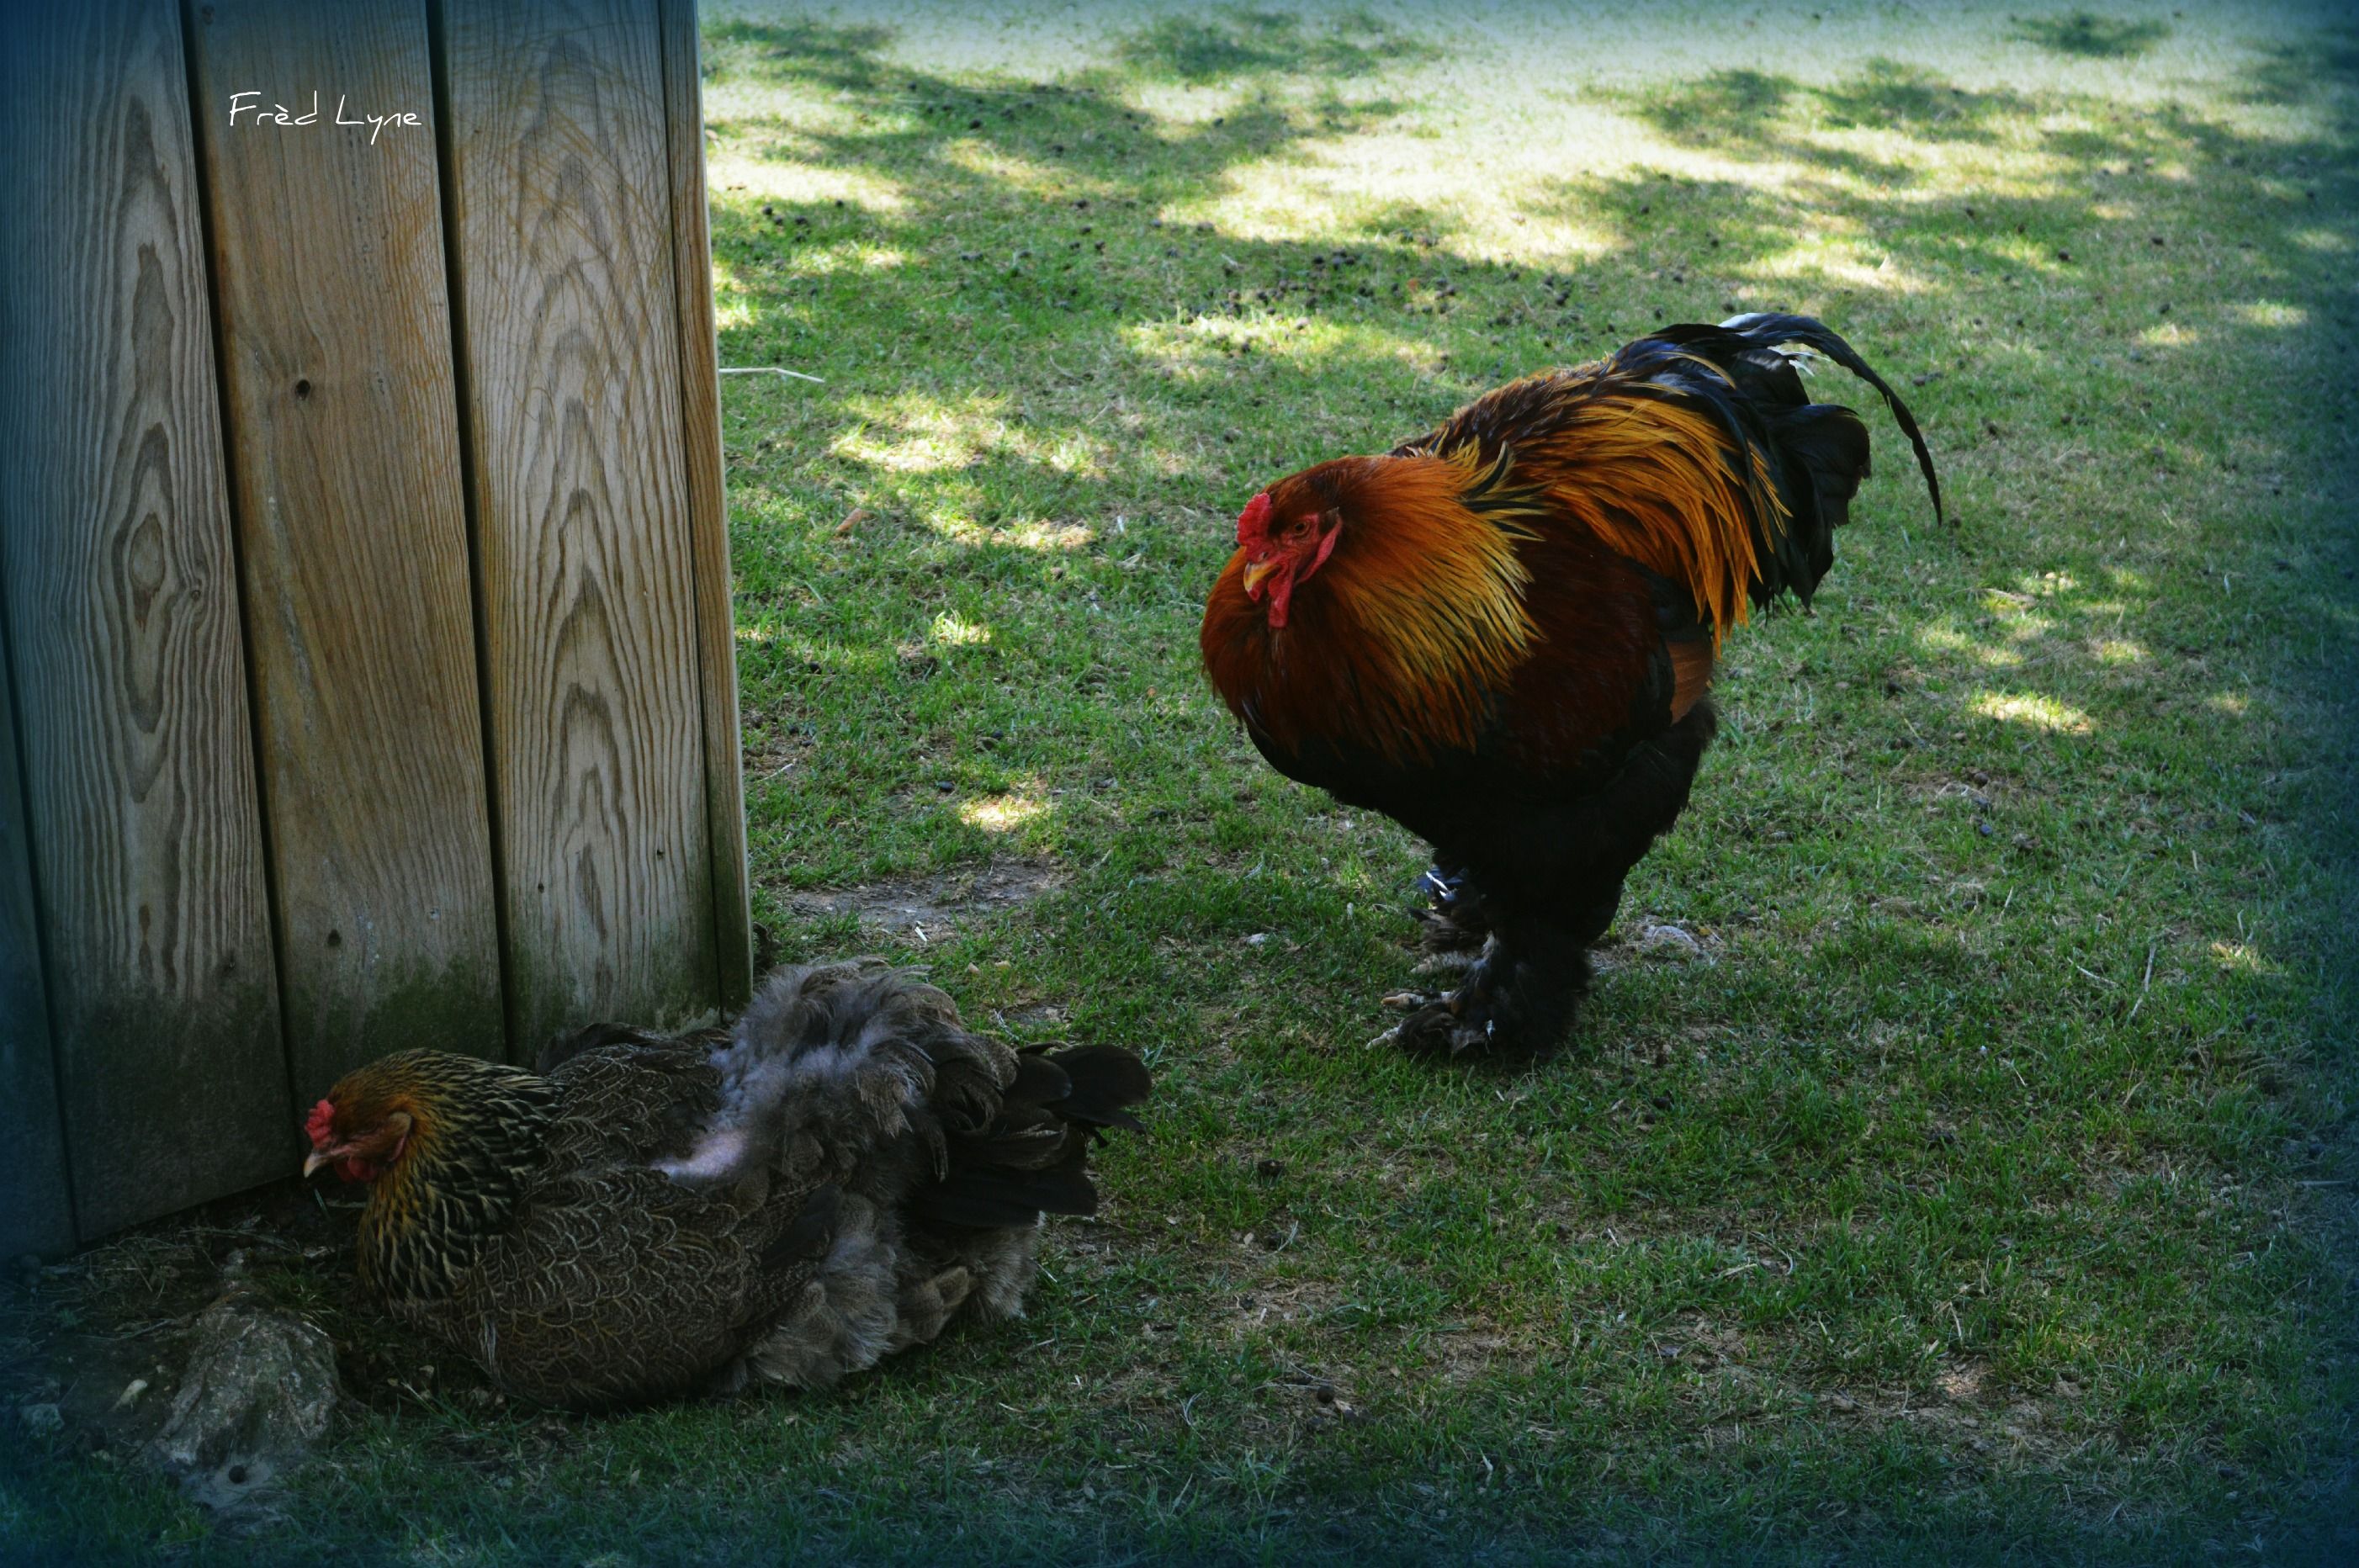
pixel 1978 1191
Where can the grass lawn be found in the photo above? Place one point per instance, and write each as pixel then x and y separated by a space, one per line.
pixel 1956 1159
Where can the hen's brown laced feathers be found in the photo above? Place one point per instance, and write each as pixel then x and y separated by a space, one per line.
pixel 473 1150
pixel 831 1179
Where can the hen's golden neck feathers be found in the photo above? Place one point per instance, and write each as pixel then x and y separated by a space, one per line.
pixel 476 1144
pixel 1396 639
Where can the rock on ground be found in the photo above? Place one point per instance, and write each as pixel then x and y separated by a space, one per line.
pixel 260 1386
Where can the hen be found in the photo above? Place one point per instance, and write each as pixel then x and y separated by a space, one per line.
pixel 831 1181
pixel 1502 635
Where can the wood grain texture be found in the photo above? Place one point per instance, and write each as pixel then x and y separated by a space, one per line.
pixel 716 623
pixel 562 201
pixel 38 1212
pixel 328 278
pixel 122 615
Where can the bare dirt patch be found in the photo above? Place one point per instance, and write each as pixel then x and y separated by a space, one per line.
pixel 1967 1413
pixel 77 1333
pixel 1277 1303
pixel 1976 791
pixel 1461 1351
pixel 94 1349
pixel 926 908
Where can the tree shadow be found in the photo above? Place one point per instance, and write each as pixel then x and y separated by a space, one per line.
pixel 1757 110
pixel 1890 95
pixel 2322 71
pixel 1738 104
pixel 837 55
pixel 1244 44
pixel 2091 37
pixel 1770 116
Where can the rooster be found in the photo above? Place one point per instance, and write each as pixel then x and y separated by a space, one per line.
pixel 1502 635
pixel 831 1181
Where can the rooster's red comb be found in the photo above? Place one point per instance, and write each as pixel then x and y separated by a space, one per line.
pixel 1253 524
pixel 319 1126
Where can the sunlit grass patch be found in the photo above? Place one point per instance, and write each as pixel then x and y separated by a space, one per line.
pixel 1000 813
pixel 2039 713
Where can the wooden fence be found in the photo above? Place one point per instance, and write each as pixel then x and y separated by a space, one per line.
pixel 363 576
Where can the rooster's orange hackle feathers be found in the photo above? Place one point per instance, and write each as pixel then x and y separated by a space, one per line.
pixel 1420 619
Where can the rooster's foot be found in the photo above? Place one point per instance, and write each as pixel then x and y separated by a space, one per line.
pixel 1464 1020
pixel 1484 1017
pixel 1434 1029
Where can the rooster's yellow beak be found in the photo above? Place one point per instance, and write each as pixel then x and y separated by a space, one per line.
pixel 317 1158
pixel 1256 571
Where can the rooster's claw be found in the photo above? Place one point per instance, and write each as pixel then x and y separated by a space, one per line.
pixel 1435 1029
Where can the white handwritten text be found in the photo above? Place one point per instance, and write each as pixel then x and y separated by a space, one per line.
pixel 280 115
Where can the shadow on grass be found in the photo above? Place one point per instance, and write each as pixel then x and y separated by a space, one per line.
pixel 2091 36
pixel 2320 73
pixel 1244 44
pixel 1772 117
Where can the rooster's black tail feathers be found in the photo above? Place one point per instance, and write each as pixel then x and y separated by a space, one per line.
pixel 1771 332
pixel 1812 454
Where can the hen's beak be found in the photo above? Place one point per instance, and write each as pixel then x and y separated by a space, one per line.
pixel 1256 572
pixel 319 1157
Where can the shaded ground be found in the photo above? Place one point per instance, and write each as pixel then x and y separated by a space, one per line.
pixel 1978 1188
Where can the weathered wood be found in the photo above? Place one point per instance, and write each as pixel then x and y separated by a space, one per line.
pixel 716 625
pixel 35 1211
pixel 328 278
pixel 561 195
pixel 122 616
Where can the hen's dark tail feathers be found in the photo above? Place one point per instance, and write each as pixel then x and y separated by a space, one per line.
pixel 1819 450
pixel 1033 1157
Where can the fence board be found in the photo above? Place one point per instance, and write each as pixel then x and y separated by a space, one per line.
pixel 37 1214
pixel 561 196
pixel 342 402
pixel 716 625
pixel 122 605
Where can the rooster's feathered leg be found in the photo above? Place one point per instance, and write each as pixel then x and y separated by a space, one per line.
pixel 1548 898
pixel 1519 998
pixel 1453 923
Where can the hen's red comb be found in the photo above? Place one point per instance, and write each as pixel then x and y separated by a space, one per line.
pixel 320 1125
pixel 1253 525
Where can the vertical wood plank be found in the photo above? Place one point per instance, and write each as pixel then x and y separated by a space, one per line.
pixel 121 615
pixel 336 354
pixel 36 1214
pixel 562 208
pixel 716 624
